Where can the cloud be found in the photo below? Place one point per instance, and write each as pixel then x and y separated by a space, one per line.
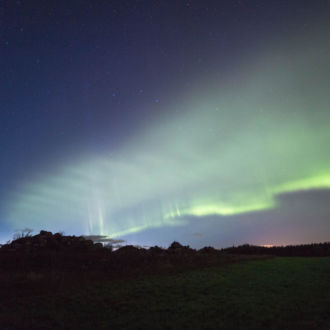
pixel 104 239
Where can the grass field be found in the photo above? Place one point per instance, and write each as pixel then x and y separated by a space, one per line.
pixel 276 293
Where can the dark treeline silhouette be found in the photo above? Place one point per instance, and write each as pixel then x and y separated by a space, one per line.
pixel 55 256
pixel 303 250
pixel 49 262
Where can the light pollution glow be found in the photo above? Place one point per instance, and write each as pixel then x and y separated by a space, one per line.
pixel 227 149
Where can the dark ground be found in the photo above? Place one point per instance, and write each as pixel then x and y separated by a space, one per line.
pixel 65 282
pixel 275 293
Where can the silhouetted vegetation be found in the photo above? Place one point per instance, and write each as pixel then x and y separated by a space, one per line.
pixel 56 253
pixel 303 250
pixel 60 254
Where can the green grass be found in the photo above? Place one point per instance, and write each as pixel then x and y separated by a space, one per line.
pixel 277 293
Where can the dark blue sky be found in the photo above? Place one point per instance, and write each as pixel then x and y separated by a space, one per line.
pixel 88 80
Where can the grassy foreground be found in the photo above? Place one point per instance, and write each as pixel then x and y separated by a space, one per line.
pixel 277 293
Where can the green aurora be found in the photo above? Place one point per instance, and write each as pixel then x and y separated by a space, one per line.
pixel 230 147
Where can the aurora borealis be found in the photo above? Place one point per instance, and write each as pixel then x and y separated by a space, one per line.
pixel 211 130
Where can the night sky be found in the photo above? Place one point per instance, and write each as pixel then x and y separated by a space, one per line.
pixel 206 122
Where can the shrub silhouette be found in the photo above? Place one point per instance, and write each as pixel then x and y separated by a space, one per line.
pixel 26 232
